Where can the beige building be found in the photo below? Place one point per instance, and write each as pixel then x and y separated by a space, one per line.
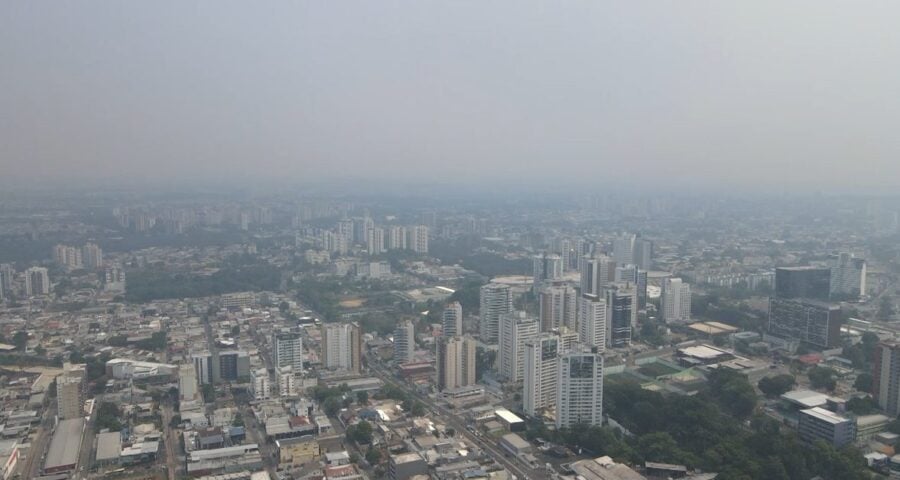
pixel 70 392
pixel 297 451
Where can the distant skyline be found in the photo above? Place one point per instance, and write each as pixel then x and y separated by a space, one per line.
pixel 680 95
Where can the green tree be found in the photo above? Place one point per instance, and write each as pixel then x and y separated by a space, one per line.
pixel 108 415
pixel 362 398
pixel 773 387
pixel 20 340
pixel 209 392
pixel 863 382
pixel 373 456
pixel 732 391
pixel 360 433
pixel 822 377
pixel 331 406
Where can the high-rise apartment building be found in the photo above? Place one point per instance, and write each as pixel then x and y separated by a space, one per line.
pixel 579 392
pixel 886 377
pixel 516 328
pixel 203 365
pixel 452 320
pixel 558 306
pixel 541 370
pixel 623 249
pixel 417 238
pixel 592 321
pixel 375 241
pixel 287 350
pixel 621 313
pixel 404 342
pixel 92 255
pixel 396 238
pixel 456 362
pixel 341 346
pixel 70 388
pixel 596 271
pixel 37 281
pixel 7 273
pixel 495 300
pixel 675 300
pixel 848 276
pixel 643 253
pixel 547 267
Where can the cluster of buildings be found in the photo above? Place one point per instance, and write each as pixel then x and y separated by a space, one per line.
pixel 89 256
pixel 371 239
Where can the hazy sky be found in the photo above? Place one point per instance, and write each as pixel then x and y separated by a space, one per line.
pixel 664 92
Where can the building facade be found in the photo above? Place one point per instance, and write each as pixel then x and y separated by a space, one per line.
pixel 579 393
pixel 495 300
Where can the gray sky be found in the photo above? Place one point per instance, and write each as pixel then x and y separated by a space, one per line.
pixel 672 93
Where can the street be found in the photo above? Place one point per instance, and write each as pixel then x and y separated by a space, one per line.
pixel 451 419
pixel 32 466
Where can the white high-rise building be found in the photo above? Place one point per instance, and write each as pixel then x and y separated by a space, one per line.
pixel 203 365
pixel 495 300
pixel 623 249
pixel 516 328
pixel 375 241
pixel 188 388
pixel 287 349
pixel 596 271
pixel 417 238
pixel 259 384
pixel 675 300
pixel 592 321
pixel 396 238
pixel 643 253
pixel 37 281
pixel 456 362
pixel 92 255
pixel 404 342
pixel 452 320
pixel 848 275
pixel 558 306
pixel 7 272
pixel 579 392
pixel 341 346
pixel 287 383
pixel 541 373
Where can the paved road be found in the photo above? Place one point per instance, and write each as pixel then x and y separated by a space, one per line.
pixel 32 466
pixel 256 434
pixel 519 469
pixel 85 457
pixel 171 440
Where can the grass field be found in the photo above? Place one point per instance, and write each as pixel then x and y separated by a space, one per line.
pixel 655 369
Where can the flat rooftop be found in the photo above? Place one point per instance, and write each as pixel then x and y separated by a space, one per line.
pixel 65 444
pixel 109 446
pixel 805 398
pixel 825 415
pixel 507 416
